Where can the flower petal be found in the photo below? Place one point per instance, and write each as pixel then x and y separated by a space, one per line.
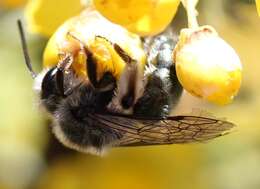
pixel 44 16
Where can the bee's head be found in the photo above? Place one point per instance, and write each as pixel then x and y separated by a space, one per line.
pixel 58 85
pixel 54 86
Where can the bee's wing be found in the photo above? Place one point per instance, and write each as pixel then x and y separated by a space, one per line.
pixel 169 130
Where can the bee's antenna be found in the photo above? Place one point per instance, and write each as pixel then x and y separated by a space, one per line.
pixel 25 49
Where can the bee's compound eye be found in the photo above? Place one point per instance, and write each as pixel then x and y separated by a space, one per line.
pixel 49 92
pixel 48 83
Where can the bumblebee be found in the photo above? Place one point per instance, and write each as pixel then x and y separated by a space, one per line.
pixel 105 86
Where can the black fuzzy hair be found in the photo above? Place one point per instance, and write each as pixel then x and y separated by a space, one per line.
pixel 79 130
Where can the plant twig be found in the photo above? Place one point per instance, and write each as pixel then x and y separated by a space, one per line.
pixel 190 6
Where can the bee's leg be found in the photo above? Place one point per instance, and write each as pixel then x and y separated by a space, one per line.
pixel 56 84
pixel 62 67
pixel 127 59
pixel 128 80
pixel 129 85
pixel 106 83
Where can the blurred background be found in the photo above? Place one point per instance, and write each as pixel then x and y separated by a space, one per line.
pixel 31 158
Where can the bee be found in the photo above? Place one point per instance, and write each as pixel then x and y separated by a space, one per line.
pixel 108 88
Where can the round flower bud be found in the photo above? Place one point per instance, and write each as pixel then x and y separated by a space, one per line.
pixel 207 66
pixel 144 17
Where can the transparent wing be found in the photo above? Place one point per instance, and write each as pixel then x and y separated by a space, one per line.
pixel 170 130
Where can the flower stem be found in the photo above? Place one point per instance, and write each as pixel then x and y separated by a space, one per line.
pixel 190 6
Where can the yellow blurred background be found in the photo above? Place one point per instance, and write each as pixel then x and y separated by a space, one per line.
pixel 30 157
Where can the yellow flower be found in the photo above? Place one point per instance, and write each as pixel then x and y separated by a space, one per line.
pixel 87 27
pixel 45 16
pixel 144 17
pixel 258 6
pixel 207 66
